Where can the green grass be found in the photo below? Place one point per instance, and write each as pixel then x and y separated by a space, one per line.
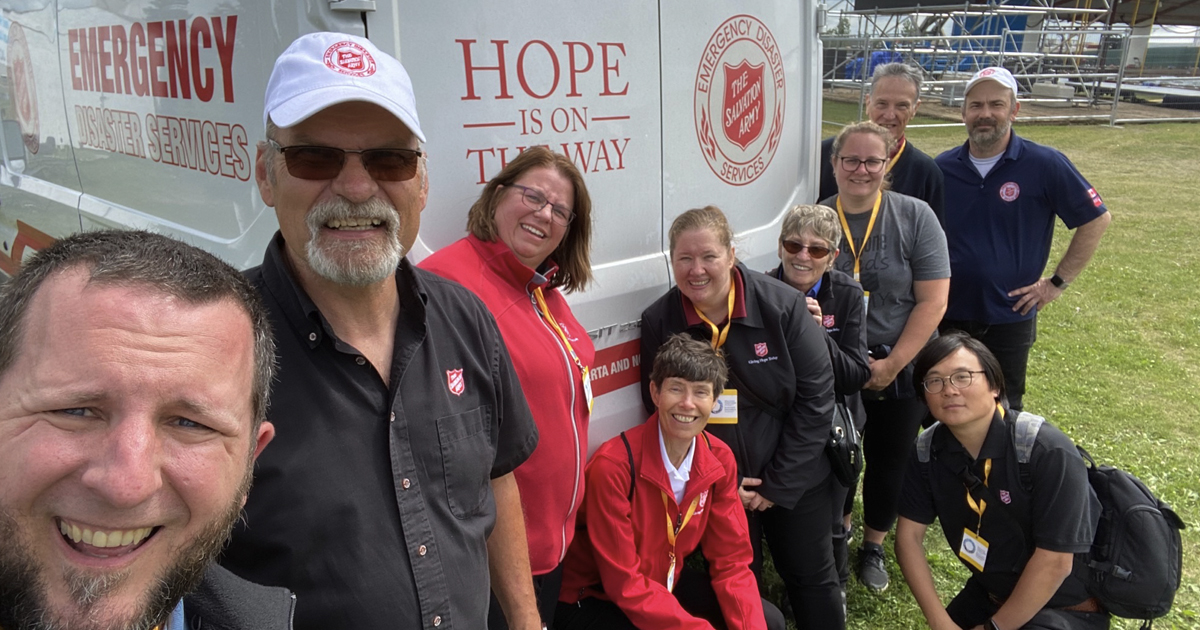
pixel 1117 361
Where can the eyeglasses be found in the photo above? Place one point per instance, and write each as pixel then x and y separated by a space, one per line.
pixel 817 252
pixel 960 380
pixel 313 162
pixel 850 164
pixel 535 200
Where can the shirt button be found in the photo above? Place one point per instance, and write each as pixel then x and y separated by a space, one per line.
pixel 437 621
pixel 360 360
pixel 312 336
pixel 421 550
pixel 405 484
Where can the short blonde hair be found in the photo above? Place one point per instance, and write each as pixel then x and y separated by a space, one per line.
pixel 869 128
pixel 822 221
pixel 709 218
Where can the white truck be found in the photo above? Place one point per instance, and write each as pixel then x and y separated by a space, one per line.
pixel 145 114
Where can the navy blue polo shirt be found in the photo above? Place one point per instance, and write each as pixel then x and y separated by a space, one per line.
pixel 999 228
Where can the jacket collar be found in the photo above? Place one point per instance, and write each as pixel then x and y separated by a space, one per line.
pixel 501 260
pixel 706 468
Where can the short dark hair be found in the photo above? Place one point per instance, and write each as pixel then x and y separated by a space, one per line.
pixel 574 254
pixel 947 344
pixel 141 259
pixel 691 360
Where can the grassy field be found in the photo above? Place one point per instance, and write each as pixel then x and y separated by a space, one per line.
pixel 1117 361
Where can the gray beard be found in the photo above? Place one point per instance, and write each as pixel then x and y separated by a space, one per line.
pixel 354 264
pixel 23 600
pixel 988 140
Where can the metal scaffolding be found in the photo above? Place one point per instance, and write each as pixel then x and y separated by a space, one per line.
pixel 1062 56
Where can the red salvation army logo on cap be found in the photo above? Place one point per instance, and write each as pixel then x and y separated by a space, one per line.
pixel 987 73
pixel 1010 191
pixel 349 58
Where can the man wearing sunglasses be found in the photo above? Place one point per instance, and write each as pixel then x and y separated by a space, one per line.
pixel 1007 193
pixel 400 416
pixel 894 97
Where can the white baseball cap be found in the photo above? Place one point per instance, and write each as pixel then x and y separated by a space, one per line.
pixel 323 69
pixel 995 73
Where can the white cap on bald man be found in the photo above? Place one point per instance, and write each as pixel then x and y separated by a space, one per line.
pixel 997 74
pixel 323 69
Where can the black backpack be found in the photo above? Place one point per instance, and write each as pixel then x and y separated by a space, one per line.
pixel 1136 561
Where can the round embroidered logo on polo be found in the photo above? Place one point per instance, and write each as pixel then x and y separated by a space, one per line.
pixel 1010 191
pixel 349 58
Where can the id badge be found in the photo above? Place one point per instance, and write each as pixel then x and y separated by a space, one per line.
pixel 587 387
pixel 974 550
pixel 725 411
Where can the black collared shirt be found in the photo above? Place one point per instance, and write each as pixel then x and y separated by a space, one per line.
pixel 1059 514
pixel 373 504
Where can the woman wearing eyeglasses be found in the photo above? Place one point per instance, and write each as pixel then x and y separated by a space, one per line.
pixel 775 411
pixel 808 247
pixel 896 250
pixel 530 236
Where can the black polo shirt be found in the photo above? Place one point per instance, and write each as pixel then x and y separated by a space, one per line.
pixel 1060 514
pixel 373 503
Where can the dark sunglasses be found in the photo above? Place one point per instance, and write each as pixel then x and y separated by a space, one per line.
pixel 817 252
pixel 385 165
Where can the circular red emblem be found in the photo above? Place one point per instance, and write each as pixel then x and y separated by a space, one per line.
pixel 24 92
pixel 1010 191
pixel 739 99
pixel 349 58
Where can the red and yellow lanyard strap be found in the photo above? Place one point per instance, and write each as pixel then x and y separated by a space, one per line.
pixel 896 158
pixel 856 253
pixel 978 508
pixel 675 524
pixel 719 334
pixel 545 309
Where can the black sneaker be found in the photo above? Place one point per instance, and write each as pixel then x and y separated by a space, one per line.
pixel 871 571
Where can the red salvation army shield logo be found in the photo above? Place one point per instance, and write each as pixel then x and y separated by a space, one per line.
pixel 760 349
pixel 740 91
pixel 454 380
pixel 828 321
pixel 743 104
pixel 1010 191
pixel 349 58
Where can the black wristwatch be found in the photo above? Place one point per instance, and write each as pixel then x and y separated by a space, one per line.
pixel 1058 283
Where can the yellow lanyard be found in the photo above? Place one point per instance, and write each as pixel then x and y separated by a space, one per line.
pixel 545 309
pixel 896 158
pixel 857 253
pixel 978 508
pixel 673 530
pixel 719 334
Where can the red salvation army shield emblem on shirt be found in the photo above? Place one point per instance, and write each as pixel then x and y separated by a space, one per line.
pixel 349 58
pixel 1010 191
pixel 743 107
pixel 760 349
pixel 828 321
pixel 1005 497
pixel 454 380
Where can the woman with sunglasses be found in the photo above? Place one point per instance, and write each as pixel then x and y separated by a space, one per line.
pixel 530 236
pixel 775 411
pixel 896 250
pixel 808 246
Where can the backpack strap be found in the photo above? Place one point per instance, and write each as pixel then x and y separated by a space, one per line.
pixel 1024 434
pixel 632 469
pixel 925 443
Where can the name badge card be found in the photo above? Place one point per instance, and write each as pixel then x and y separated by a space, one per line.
pixel 725 411
pixel 974 550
